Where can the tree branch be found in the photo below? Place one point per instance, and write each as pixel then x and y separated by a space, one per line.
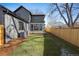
pixel 71 14
pixel 71 6
pixel 61 14
pixel 76 19
pixel 67 12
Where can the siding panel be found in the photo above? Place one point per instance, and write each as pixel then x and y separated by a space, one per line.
pixel 10 29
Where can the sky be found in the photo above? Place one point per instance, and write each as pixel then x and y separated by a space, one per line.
pixel 41 7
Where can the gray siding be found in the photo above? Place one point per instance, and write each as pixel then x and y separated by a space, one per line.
pixel 10 29
pixel 37 19
pixel 11 32
pixel 1 17
pixel 23 14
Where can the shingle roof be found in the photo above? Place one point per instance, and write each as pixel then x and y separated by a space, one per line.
pixel 35 18
pixel 40 17
pixel 7 11
pixel 20 8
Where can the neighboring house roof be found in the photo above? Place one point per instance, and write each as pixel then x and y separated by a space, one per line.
pixel 35 18
pixel 23 13
pixel 20 8
pixel 38 18
pixel 7 11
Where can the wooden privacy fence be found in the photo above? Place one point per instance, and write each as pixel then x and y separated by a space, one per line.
pixel 1 35
pixel 70 35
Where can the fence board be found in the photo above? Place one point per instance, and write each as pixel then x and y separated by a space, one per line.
pixel 68 34
pixel 1 35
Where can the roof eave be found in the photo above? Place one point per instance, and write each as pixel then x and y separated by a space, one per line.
pixel 22 7
pixel 7 11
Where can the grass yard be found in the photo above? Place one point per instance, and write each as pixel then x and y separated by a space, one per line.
pixel 45 45
pixel 33 46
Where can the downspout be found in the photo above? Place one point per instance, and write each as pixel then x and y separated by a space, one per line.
pixel 29 24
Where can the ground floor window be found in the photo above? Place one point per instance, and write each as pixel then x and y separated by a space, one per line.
pixel 37 27
pixel 21 25
pixel 31 27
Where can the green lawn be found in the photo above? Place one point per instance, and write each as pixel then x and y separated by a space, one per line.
pixel 33 46
pixel 45 45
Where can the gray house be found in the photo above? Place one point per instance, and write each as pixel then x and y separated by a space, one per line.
pixel 36 21
pixel 20 23
pixel 14 26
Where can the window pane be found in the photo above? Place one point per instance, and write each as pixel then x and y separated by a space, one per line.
pixel 31 27
pixel 21 25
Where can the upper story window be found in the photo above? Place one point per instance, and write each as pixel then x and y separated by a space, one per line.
pixel 21 25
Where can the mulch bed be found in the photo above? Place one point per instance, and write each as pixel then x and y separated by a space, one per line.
pixel 10 46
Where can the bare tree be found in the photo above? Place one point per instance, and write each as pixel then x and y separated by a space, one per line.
pixel 69 12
